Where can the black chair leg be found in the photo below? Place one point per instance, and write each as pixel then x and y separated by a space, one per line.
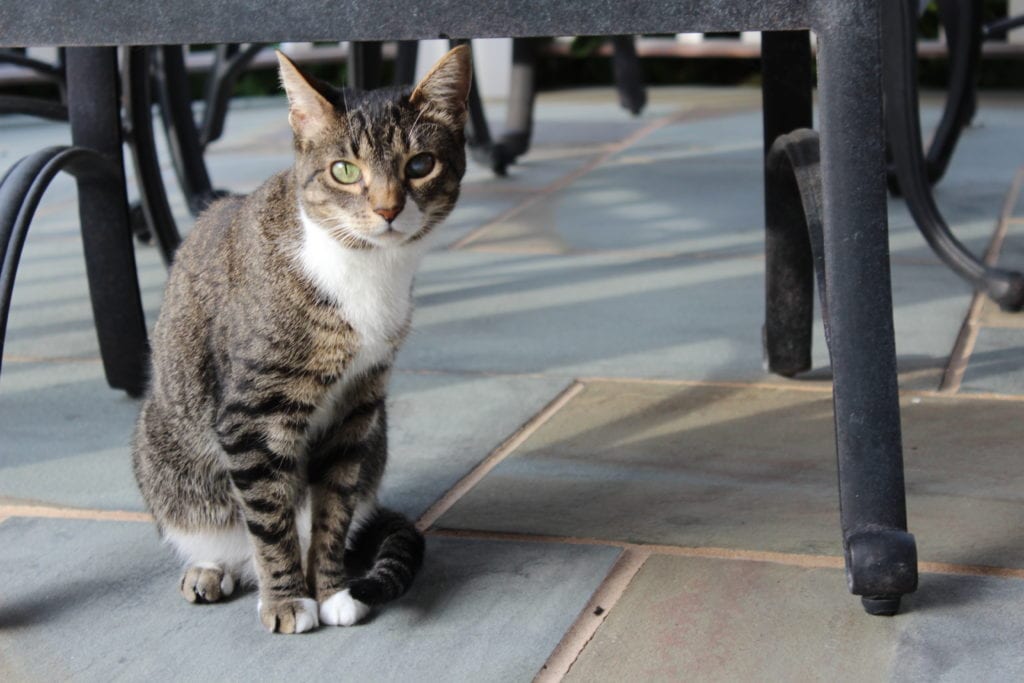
pixel 405 62
pixel 515 141
pixel 881 558
pixel 139 128
pixel 182 135
pixel 904 129
pixel 789 270
pixel 963 22
pixel 364 65
pixel 628 76
pixel 229 63
pixel 94 113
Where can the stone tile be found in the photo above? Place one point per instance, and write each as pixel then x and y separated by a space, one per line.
pixel 997 362
pixel 639 315
pixel 67 436
pixel 717 620
pixel 652 204
pixel 441 426
pixel 992 316
pixel 98 601
pixel 745 467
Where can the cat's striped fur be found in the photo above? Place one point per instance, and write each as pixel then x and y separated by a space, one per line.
pixel 263 436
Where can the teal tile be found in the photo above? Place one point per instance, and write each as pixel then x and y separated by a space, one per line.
pixel 98 601
pixel 639 315
pixel 67 435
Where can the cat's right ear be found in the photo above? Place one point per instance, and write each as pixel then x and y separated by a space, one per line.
pixel 308 111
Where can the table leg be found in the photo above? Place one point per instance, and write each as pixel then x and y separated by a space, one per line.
pixel 94 113
pixel 881 558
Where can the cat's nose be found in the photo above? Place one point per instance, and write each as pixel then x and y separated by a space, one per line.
pixel 388 214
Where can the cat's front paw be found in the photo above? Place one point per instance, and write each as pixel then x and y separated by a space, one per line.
pixel 206 582
pixel 341 609
pixel 295 615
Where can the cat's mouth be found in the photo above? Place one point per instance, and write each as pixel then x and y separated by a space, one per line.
pixel 388 235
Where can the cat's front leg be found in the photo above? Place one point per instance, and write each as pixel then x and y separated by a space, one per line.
pixel 343 473
pixel 264 468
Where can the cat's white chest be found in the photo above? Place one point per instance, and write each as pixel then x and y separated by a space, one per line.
pixel 371 287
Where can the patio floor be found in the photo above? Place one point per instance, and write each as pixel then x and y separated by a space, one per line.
pixel 614 489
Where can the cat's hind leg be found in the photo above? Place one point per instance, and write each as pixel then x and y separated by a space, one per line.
pixel 214 561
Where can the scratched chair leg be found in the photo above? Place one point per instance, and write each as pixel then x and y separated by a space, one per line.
pixel 789 271
pixel 94 113
pixel 881 558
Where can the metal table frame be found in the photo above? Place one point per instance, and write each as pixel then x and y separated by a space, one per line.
pixel 880 554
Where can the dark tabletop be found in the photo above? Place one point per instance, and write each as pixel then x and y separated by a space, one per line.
pixel 143 22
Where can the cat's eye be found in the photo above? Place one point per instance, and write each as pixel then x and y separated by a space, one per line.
pixel 420 165
pixel 345 172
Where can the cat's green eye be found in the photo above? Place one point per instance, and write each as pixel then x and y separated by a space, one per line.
pixel 345 172
pixel 420 165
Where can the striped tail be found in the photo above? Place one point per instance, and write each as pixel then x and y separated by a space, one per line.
pixel 384 554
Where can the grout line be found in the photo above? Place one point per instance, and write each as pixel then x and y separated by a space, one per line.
pixel 970 396
pixel 737 554
pixel 73 513
pixel 963 347
pixel 818 388
pixel 461 487
pixel 613 149
pixel 51 359
pixel 593 615
pixel 806 386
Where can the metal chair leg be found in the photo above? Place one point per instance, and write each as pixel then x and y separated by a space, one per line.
pixel 881 559
pixel 904 128
pixel 963 22
pixel 139 128
pixel 182 136
pixel 405 62
pixel 789 271
pixel 229 63
pixel 515 141
pixel 94 112
pixel 628 77
pixel 364 65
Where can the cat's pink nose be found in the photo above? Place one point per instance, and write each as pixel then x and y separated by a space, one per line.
pixel 388 214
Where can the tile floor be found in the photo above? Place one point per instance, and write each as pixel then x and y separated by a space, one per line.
pixel 613 487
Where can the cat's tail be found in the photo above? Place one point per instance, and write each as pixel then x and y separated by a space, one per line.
pixel 384 554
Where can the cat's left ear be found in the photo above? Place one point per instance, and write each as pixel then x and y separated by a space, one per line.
pixel 308 111
pixel 445 88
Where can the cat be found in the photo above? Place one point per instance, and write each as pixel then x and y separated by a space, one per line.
pixel 262 438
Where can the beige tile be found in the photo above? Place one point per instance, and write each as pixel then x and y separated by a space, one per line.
pixel 689 619
pixel 750 467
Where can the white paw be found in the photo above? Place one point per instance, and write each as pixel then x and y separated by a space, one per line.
pixel 341 609
pixel 289 616
pixel 227 584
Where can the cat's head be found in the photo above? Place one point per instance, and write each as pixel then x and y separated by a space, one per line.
pixel 381 168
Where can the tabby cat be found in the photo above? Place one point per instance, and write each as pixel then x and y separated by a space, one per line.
pixel 262 440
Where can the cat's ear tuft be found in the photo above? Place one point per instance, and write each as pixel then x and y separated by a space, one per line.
pixel 446 86
pixel 308 111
